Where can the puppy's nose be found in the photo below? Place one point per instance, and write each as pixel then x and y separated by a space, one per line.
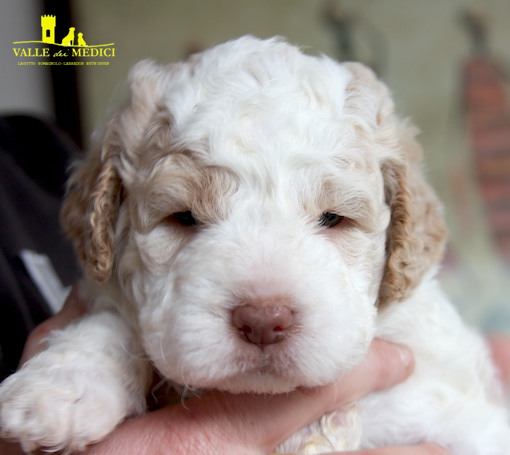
pixel 262 325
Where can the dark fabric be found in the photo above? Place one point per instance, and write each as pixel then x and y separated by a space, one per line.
pixel 34 157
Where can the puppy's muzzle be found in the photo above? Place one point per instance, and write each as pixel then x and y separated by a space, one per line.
pixel 262 325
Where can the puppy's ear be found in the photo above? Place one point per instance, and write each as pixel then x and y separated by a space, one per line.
pixel 416 235
pixel 90 209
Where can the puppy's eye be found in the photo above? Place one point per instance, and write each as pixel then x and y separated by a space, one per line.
pixel 185 218
pixel 329 219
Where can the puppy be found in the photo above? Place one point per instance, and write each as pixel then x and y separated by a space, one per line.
pixel 250 220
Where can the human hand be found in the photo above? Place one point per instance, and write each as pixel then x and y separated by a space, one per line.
pixel 499 344
pixel 250 424
pixel 73 308
pixel 222 423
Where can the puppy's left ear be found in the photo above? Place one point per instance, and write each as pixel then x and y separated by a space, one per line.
pixel 417 232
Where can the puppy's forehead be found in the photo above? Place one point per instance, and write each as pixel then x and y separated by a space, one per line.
pixel 260 99
pixel 264 110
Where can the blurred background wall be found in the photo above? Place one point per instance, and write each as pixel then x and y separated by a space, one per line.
pixel 445 62
pixel 21 90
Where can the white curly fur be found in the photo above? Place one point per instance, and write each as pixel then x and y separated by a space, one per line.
pixel 257 141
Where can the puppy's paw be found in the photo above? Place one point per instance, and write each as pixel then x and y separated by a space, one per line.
pixel 59 406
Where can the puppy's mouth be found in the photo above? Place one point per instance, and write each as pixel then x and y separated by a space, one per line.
pixel 253 369
pixel 263 369
pixel 262 361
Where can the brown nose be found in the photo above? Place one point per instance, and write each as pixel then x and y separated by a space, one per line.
pixel 262 325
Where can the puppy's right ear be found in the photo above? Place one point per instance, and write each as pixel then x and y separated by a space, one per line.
pixel 89 212
pixel 95 190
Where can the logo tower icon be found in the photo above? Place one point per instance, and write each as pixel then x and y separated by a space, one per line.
pixel 48 29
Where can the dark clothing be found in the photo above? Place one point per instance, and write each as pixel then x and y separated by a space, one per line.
pixel 34 158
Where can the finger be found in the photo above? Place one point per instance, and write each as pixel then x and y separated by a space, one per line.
pixel 499 344
pixel 73 308
pixel 386 365
pixel 263 422
pixel 424 449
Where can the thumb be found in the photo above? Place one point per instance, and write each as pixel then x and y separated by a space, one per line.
pixel 386 365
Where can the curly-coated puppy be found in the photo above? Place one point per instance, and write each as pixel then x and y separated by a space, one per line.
pixel 251 220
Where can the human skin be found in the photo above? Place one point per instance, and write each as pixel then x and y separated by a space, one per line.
pixel 500 348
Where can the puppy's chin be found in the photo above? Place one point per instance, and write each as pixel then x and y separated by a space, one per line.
pixel 257 382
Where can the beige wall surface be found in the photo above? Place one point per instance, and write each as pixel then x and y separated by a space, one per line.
pixel 419 48
pixel 21 90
